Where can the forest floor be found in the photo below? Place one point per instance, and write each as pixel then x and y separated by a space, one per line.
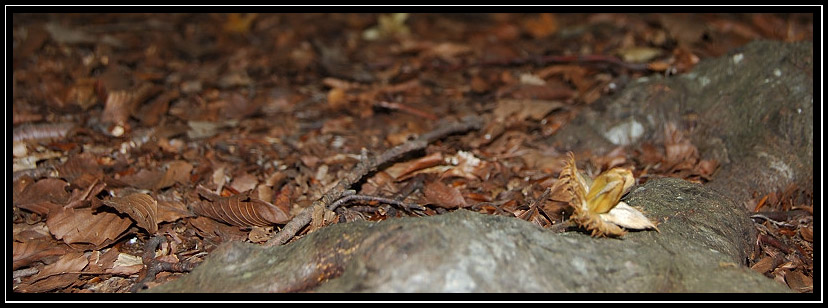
pixel 142 141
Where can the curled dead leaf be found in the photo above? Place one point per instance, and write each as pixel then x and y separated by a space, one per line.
pixel 142 208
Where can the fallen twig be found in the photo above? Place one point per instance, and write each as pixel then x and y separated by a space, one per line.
pixel 351 195
pixel 405 108
pixel 366 165
pixel 565 59
pixel 154 266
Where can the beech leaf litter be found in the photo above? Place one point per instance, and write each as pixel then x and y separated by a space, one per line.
pixel 143 141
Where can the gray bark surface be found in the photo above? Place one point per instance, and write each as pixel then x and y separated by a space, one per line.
pixel 701 248
pixel 751 110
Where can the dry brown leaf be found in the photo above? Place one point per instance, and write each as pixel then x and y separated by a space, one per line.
pixel 443 195
pixel 178 171
pixel 99 262
pixel 685 28
pixel 126 264
pixel 244 182
pixel 259 234
pixel 240 210
pixel 144 179
pixel 798 281
pixel 525 108
pixel 764 265
pixel 379 184
pixel 121 104
pixel 77 167
pixel 82 226
pixel 150 114
pixel 238 23
pixel 142 208
pixel 70 262
pixel 42 196
pixel 25 253
pixel 337 98
pixel 539 160
pixel 544 25
pixel 807 233
pixel 552 90
pixel 207 227
pixel 26 232
pixel 169 211
pixel 400 171
pixel 446 51
pixel 52 276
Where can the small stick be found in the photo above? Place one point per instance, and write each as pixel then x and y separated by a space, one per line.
pixel 368 198
pixel 582 59
pixel 367 165
pixel 154 266
pixel 405 108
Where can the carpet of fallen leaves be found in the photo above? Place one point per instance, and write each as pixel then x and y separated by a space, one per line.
pixel 142 141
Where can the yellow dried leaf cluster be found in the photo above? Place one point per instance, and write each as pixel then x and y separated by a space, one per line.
pixel 597 203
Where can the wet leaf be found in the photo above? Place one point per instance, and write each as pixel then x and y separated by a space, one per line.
pixel 142 208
